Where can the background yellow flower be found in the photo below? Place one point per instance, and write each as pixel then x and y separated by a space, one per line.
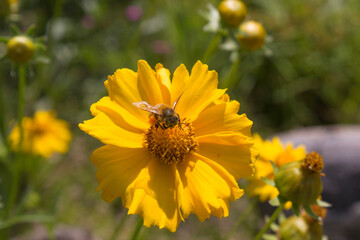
pixel 43 134
pixel 270 151
pixel 164 175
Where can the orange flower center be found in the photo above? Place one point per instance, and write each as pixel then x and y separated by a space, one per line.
pixel 171 145
pixel 314 162
pixel 38 129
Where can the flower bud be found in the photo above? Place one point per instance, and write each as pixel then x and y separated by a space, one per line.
pixel 20 49
pixel 293 228
pixel 303 227
pixel 252 35
pixel 300 182
pixel 233 12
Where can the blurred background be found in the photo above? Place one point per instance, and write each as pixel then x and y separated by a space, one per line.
pixel 307 74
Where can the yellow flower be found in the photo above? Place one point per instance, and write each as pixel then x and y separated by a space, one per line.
pixel 161 171
pixel 270 151
pixel 42 135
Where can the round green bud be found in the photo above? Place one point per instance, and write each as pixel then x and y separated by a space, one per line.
pixel 233 12
pixel 294 228
pixel 20 49
pixel 252 35
pixel 298 182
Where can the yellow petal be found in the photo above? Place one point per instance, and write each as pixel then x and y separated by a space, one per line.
pixel 290 155
pixel 269 150
pixel 147 187
pixel 263 168
pixel 103 128
pixel 163 78
pixel 148 85
pixel 120 116
pixel 233 151
pixel 207 188
pixel 222 117
pixel 117 168
pixel 258 187
pixel 123 88
pixel 180 82
pixel 155 196
pixel 200 92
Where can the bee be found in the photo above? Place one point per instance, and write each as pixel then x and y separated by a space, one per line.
pixel 165 116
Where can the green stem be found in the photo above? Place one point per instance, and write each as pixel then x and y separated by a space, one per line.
pixel 268 224
pixel 16 164
pixel 231 79
pixel 119 227
pixel 2 116
pixel 241 219
pixel 21 102
pixel 137 229
pixel 211 48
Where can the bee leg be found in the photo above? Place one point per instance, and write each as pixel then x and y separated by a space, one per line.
pixel 162 126
pixel 179 123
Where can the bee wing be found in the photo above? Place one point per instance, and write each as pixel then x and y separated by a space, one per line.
pixel 146 107
pixel 176 101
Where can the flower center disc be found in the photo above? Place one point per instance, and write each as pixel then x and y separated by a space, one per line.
pixel 171 145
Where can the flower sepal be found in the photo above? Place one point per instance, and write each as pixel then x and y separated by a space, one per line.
pixel 268 181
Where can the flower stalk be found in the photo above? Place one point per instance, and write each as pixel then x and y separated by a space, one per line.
pixel 137 229
pixel 242 218
pixel 231 79
pixel 274 216
pixel 212 47
pixel 16 165
pixel 2 116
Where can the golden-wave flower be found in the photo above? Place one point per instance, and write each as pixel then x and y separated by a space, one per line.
pixel 43 134
pixel 280 155
pixel 165 169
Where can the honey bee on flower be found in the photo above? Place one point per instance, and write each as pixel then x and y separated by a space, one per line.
pixel 162 166
pixel 161 115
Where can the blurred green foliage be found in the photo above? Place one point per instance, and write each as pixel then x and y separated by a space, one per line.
pixel 307 74
pixel 311 76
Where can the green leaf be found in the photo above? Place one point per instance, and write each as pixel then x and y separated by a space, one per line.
pixel 276 169
pixel 269 237
pixel 30 31
pixel 40 46
pixel 311 213
pixel 274 227
pixel 275 202
pixel 26 219
pixel 296 209
pixel 15 30
pixel 323 203
pixel 4 39
pixel 268 181
pixel 282 199
pixel 40 39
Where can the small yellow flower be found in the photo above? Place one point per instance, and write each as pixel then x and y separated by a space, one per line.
pixel 164 170
pixel 270 151
pixel 42 135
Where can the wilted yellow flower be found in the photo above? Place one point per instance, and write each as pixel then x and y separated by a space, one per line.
pixel 42 135
pixel 280 155
pixel 177 161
